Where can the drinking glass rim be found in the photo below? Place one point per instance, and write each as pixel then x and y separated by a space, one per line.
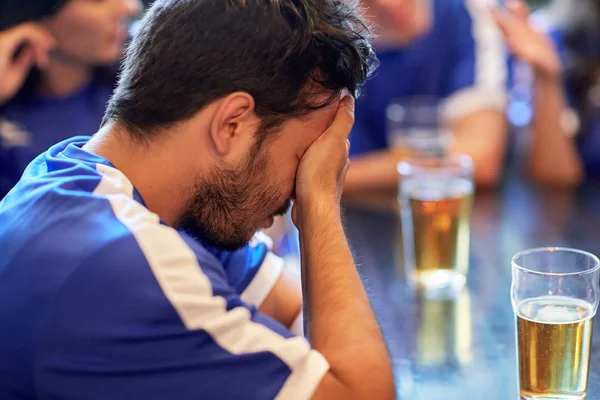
pixel 556 249
pixel 454 161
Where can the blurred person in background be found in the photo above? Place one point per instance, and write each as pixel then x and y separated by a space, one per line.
pixel 562 45
pixel 57 71
pixel 445 49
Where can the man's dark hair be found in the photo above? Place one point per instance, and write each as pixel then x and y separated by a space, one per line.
pixel 189 53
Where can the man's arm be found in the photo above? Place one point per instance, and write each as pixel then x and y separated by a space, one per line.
pixel 284 301
pixel 264 281
pixel 482 135
pixel 342 325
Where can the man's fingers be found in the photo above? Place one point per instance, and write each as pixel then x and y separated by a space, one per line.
pixel 344 118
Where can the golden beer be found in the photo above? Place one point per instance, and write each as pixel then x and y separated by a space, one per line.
pixel 554 342
pixel 440 228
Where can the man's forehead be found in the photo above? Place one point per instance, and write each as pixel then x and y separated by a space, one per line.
pixel 320 119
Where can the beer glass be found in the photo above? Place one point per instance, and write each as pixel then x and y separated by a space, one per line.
pixel 435 206
pixel 415 127
pixel 554 296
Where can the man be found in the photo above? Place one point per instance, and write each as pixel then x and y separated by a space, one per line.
pixel 445 49
pixel 119 275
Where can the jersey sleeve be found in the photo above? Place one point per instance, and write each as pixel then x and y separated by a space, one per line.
pixel 253 270
pixel 477 78
pixel 148 319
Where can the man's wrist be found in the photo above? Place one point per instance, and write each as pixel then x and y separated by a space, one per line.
pixel 317 209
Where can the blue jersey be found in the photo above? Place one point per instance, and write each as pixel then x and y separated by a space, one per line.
pixel 30 128
pixel 460 61
pixel 100 300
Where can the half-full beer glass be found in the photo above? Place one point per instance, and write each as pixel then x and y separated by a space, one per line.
pixel 435 204
pixel 555 297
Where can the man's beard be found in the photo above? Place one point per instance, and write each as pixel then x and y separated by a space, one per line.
pixel 226 207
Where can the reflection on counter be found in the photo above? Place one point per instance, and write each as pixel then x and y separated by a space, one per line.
pixel 444 330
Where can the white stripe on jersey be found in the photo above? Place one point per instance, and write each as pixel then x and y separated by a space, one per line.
pixel 269 272
pixel 489 88
pixel 190 292
pixel 264 281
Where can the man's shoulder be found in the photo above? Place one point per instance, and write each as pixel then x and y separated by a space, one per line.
pixel 85 212
pixel 131 258
pixel 145 241
pixel 146 272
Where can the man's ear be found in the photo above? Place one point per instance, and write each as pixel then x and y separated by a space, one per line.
pixel 233 122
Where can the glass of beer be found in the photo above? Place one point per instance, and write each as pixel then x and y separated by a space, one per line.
pixel 415 127
pixel 554 296
pixel 435 205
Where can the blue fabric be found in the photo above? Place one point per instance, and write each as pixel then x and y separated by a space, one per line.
pixel 438 64
pixel 243 265
pixel 82 315
pixel 43 122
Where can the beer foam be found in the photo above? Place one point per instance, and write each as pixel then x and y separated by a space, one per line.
pixel 560 313
pixel 555 310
